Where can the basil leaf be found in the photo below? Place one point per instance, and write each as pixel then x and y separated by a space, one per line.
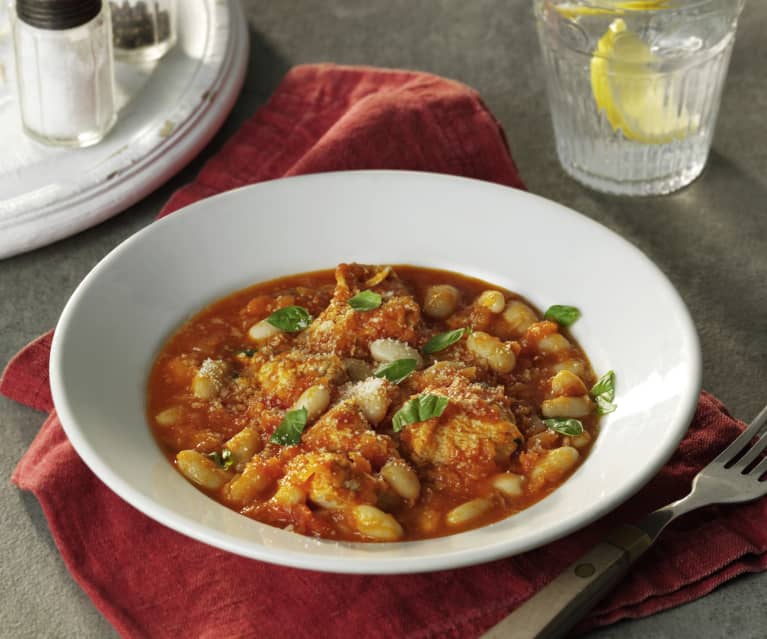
pixel 365 301
pixel 604 406
pixel 291 427
pixel 603 393
pixel 419 409
pixel 562 315
pixel 605 387
pixel 397 370
pixel 290 319
pixel 569 426
pixel 443 340
pixel 223 459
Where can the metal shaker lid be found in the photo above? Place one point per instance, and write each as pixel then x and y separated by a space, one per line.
pixel 57 14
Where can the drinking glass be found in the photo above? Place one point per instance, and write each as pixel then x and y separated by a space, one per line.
pixel 634 87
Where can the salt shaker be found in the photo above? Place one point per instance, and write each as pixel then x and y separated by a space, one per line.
pixel 3 18
pixel 143 29
pixel 64 70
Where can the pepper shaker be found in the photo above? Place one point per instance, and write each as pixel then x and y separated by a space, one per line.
pixel 143 29
pixel 64 70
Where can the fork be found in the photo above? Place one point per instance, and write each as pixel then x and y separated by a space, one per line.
pixel 733 476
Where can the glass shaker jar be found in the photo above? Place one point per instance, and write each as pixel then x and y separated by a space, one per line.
pixel 64 70
pixel 3 18
pixel 143 29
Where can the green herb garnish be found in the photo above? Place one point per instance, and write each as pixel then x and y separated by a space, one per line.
pixel 248 352
pixel 562 315
pixel 603 393
pixel 443 340
pixel 291 427
pixel 290 319
pixel 365 301
pixel 397 370
pixel 223 459
pixel 567 426
pixel 419 409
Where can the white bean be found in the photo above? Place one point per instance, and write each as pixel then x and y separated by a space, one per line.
pixel 315 400
pixel 492 351
pixel 464 513
pixel 554 465
pixel 204 388
pixel 262 330
pixel 567 383
pixel 553 343
pixel 372 398
pixel 201 470
pixel 510 484
pixel 493 301
pixel 575 366
pixel 402 478
pixel 289 495
pixel 440 301
pixel 567 406
pixel 169 416
pixel 580 441
pixel 209 380
pixel 376 524
pixel 244 488
pixel 325 495
pixel 244 445
pixel 390 350
pixel 519 316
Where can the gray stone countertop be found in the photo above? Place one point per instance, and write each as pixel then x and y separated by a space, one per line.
pixel 710 239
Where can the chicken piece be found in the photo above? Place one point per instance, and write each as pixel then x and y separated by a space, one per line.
pixel 473 438
pixel 313 299
pixel 344 429
pixel 440 373
pixel 348 333
pixel 289 374
pixel 332 480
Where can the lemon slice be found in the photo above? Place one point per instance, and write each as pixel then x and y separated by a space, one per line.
pixel 633 98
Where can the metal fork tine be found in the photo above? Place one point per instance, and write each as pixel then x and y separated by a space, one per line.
pixel 759 469
pixel 742 441
pixel 753 452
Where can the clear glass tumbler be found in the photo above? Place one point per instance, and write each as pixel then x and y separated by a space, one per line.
pixel 634 87
pixel 143 30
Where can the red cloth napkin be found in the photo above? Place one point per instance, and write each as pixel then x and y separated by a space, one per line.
pixel 152 582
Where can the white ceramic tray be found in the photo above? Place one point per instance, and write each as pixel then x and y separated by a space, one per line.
pixel 169 110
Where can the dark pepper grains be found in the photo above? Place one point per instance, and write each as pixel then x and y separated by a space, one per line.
pixel 135 26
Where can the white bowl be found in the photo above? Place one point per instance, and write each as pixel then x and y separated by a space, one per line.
pixel 633 322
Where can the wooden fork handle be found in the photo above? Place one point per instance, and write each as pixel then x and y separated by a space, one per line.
pixel 559 606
